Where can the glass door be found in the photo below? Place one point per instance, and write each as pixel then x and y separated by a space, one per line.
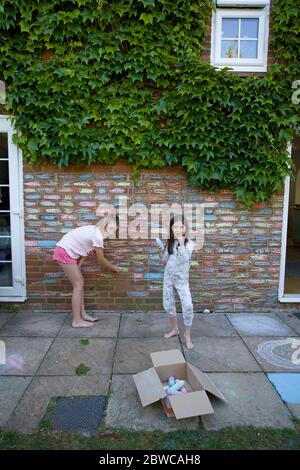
pixel 12 269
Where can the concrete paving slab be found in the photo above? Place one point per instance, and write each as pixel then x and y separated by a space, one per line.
pixel 66 354
pixel 11 392
pixel 252 401
pixel 24 355
pixel 125 410
pixel 39 324
pixel 4 317
pixel 144 325
pixel 221 355
pixel 106 327
pixel 133 354
pixel 31 409
pixel 291 319
pixel 212 325
pixel 259 325
pixel 275 354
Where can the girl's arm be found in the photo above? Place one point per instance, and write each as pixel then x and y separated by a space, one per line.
pixel 81 261
pixel 102 260
pixel 163 253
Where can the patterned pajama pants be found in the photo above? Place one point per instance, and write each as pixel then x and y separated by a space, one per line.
pixel 183 290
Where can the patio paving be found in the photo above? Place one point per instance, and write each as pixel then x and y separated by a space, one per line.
pixel 43 352
pixel 251 401
pixel 133 354
pixel 260 325
pixel 34 324
pixel 11 391
pixel 221 355
pixel 66 354
pixel 106 327
pixel 291 320
pixel 273 354
pixel 125 410
pixel 28 414
pixel 5 317
pixel 24 355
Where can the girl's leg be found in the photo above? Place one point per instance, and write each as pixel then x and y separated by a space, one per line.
pixel 84 315
pixel 169 306
pixel 75 277
pixel 187 311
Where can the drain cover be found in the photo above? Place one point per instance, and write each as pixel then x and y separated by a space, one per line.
pixel 78 414
pixel 297 315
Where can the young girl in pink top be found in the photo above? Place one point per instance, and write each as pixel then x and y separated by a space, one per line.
pixel 73 249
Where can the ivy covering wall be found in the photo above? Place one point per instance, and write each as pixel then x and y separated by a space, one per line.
pixel 94 81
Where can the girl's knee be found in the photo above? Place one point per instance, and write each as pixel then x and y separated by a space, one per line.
pixel 79 284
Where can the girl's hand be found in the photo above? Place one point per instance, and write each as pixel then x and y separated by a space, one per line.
pixel 114 268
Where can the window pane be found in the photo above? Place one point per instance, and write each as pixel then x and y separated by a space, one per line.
pixel 5 249
pixel 230 27
pixel 5 274
pixel 249 28
pixel 3 145
pixel 3 171
pixel 4 224
pixel 248 49
pixel 4 198
pixel 229 49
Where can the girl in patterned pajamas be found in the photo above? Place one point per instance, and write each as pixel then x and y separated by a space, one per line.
pixel 177 257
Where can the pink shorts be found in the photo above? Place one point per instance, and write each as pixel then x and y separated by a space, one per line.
pixel 62 256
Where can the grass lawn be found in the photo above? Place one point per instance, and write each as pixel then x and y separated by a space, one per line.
pixel 229 438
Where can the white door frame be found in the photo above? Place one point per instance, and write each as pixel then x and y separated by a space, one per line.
pixel 17 293
pixel 282 297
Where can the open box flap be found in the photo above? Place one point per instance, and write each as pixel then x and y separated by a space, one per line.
pixel 165 358
pixel 207 383
pixel 191 404
pixel 149 386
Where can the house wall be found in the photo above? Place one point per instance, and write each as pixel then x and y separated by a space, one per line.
pixel 236 270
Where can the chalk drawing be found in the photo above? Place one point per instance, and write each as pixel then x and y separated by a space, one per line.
pixel 279 352
pixel 287 385
pixel 14 361
pixel 259 325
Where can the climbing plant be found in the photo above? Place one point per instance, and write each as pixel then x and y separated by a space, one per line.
pixel 94 81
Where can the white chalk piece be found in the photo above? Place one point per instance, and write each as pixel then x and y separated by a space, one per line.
pixel 160 243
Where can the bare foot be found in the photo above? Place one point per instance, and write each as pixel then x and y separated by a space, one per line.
pixel 188 342
pixel 172 333
pixel 87 317
pixel 81 324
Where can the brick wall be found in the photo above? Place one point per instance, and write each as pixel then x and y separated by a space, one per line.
pixel 237 269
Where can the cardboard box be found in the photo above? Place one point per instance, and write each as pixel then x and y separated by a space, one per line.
pixel 150 383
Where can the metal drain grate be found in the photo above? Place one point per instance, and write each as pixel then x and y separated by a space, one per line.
pixel 78 414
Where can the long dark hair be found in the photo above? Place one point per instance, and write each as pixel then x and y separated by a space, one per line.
pixel 171 241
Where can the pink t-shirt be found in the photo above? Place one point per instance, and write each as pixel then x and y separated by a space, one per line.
pixel 81 241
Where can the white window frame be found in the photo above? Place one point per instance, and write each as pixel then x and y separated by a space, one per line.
pixel 282 297
pixel 242 3
pixel 16 293
pixel 237 64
